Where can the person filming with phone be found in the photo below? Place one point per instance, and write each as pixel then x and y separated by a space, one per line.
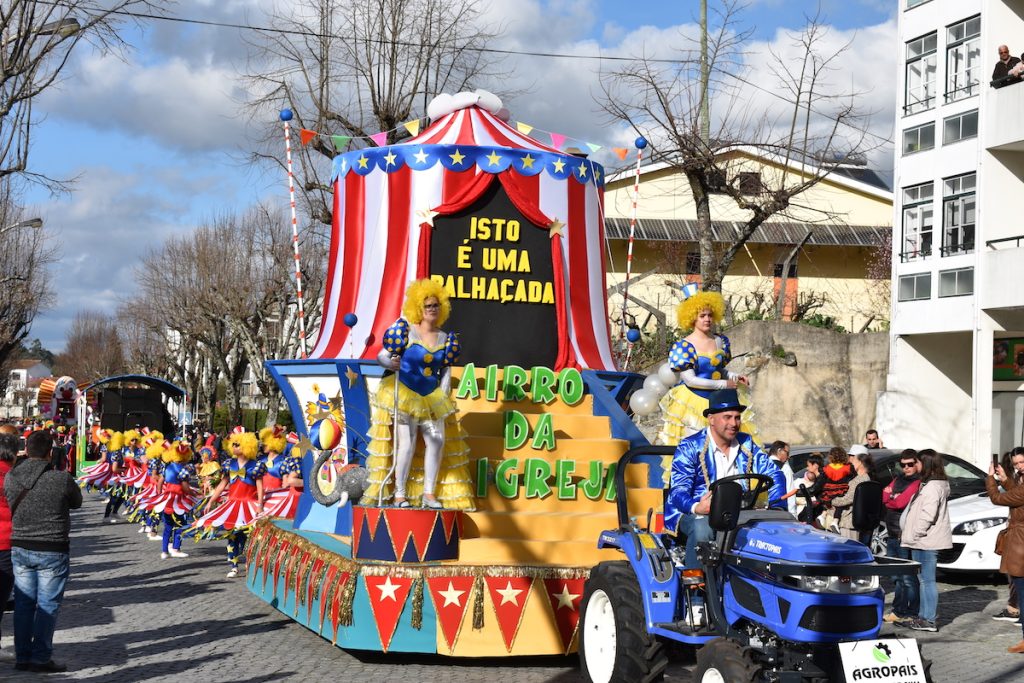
pixel 1008 489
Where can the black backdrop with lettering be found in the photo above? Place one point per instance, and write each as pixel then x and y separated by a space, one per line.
pixel 524 334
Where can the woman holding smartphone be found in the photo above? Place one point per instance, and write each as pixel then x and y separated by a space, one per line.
pixel 1011 496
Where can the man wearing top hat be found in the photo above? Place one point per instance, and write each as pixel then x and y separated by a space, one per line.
pixel 718 451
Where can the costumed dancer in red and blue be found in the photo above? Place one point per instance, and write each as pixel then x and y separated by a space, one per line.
pixel 700 358
pixel 99 476
pixel 282 481
pixel 233 518
pixel 155 447
pixel 115 492
pixel 420 354
pixel 174 499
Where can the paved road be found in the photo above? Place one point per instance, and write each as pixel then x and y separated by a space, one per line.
pixel 130 616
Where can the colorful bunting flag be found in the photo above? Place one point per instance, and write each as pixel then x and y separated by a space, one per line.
pixel 451 595
pixel 387 598
pixel 523 128
pixel 565 596
pixel 593 147
pixel 413 127
pixel 341 141
pixel 509 596
pixel 621 152
pixel 379 138
pixel 306 135
pixel 557 140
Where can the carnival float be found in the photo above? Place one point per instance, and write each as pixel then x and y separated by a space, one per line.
pixel 510 231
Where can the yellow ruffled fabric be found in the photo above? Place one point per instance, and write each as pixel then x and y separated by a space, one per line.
pixel 683 412
pixel 454 487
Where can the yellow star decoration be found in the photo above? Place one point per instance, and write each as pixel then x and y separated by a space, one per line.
pixel 555 229
pixel 583 170
pixel 389 158
pixel 565 598
pixel 427 215
pixel 597 174
pixel 457 157
pixel 362 161
pixel 559 165
pixel 493 158
pixel 528 161
pixel 352 376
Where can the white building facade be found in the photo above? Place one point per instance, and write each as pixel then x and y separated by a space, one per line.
pixel 958 234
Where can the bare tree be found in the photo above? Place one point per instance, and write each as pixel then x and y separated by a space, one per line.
pixel 807 138
pixel 38 38
pixel 93 348
pixel 358 67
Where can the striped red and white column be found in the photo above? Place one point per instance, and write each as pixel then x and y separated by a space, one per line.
pixel 286 116
pixel 640 143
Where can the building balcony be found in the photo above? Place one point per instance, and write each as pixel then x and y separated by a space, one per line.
pixel 1003 130
pixel 1000 270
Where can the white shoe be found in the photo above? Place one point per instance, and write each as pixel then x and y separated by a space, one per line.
pixel 148 529
pixel 154 536
pixel 164 556
pixel 141 530
pixel 432 503
pixel 233 573
pixel 114 520
pixel 178 553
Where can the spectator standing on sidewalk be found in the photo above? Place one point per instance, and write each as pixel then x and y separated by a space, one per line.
pixel 897 496
pixel 871 440
pixel 1012 538
pixel 41 500
pixel 8 453
pixel 864 466
pixel 1012 610
pixel 779 452
pixel 926 530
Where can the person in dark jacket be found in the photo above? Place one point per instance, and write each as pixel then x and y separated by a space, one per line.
pixel 897 496
pixel 1004 65
pixel 41 500
pixel 1012 496
pixel 8 453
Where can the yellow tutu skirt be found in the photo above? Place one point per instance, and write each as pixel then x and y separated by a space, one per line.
pixel 683 412
pixel 454 488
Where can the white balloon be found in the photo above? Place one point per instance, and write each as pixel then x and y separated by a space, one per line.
pixel 654 385
pixel 667 375
pixel 643 402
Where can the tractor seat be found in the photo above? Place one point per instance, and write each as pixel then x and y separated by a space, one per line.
pixel 764 516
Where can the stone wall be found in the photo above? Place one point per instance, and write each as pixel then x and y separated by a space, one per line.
pixel 810 386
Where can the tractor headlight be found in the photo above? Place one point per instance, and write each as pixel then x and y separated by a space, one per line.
pixel 976 525
pixel 837 584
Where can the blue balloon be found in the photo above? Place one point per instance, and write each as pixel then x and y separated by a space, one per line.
pixel 286 115
pixel 633 335
pixel 350 319
pixel 640 142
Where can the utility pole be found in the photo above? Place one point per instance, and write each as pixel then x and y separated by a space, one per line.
pixel 705 76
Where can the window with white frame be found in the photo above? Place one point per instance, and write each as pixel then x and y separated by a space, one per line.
pixel 960 127
pixel 963 58
pixel 920 79
pixel 958 214
pixel 915 287
pixel 956 282
pixel 918 217
pixel 919 138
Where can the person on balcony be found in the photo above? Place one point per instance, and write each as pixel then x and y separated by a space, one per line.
pixel 1007 69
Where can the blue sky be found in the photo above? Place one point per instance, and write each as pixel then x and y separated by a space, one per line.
pixel 155 140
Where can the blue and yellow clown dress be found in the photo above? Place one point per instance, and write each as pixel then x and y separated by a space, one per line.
pixel 683 406
pixel 171 497
pixel 421 396
pixel 278 501
pixel 240 510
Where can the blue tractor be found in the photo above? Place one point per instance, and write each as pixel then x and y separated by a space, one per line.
pixel 774 600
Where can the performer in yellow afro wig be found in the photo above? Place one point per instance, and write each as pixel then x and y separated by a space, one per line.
pixel 689 308
pixel 273 438
pixel 418 292
pixel 116 442
pixel 245 441
pixel 179 451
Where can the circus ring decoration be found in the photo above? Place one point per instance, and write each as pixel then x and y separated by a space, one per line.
pixel 538 395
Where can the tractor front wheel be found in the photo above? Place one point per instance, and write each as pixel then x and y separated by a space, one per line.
pixel 614 642
pixel 724 661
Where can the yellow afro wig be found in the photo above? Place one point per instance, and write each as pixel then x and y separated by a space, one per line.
pixel 273 438
pixel 103 436
pixel 179 451
pixel 688 309
pixel 246 441
pixel 116 442
pixel 418 292
pixel 155 449
pixel 131 435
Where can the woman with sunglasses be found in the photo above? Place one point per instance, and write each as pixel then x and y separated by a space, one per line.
pixel 414 402
pixel 926 530
pixel 897 496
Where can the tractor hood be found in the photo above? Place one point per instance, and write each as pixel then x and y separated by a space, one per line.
pixel 793 542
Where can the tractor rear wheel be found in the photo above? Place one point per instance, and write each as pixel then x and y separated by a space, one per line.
pixel 725 661
pixel 614 642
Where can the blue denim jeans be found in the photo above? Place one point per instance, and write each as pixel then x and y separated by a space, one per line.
pixel 929 591
pixel 1018 581
pixel 696 529
pixel 39 581
pixel 906 600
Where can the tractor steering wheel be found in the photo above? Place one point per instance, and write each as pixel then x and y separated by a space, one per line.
pixel 762 483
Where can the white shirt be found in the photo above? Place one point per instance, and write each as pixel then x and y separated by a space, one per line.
pixel 787 472
pixel 725 461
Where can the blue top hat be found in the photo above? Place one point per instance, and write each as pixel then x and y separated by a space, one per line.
pixel 723 400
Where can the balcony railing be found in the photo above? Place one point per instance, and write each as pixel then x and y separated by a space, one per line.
pixel 966 247
pixel 915 255
pixel 991 244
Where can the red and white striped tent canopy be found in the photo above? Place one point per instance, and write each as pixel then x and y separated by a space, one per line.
pixel 385 200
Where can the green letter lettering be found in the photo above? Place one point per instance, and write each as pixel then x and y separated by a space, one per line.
pixel 507 487
pixel 512 384
pixel 543 434
pixel 570 386
pixel 517 430
pixel 541 382
pixel 563 479
pixel 467 385
pixel 537 472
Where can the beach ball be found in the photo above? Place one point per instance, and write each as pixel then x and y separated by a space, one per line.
pixel 325 435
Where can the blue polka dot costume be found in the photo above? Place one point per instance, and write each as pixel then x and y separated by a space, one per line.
pixel 421 398
pixel 683 406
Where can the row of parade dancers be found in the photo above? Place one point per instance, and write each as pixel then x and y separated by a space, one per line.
pixel 199 493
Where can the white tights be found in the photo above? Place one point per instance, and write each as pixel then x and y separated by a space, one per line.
pixel 405 436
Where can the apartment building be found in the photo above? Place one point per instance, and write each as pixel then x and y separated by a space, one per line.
pixel 957 324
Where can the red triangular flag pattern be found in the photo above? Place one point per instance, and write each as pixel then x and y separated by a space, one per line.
pixel 300 570
pixel 325 589
pixel 405 523
pixel 338 589
pixel 451 595
pixel 449 518
pixel 272 545
pixel 281 553
pixel 509 595
pixel 565 596
pixel 387 598
pixel 306 135
pixel 314 576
